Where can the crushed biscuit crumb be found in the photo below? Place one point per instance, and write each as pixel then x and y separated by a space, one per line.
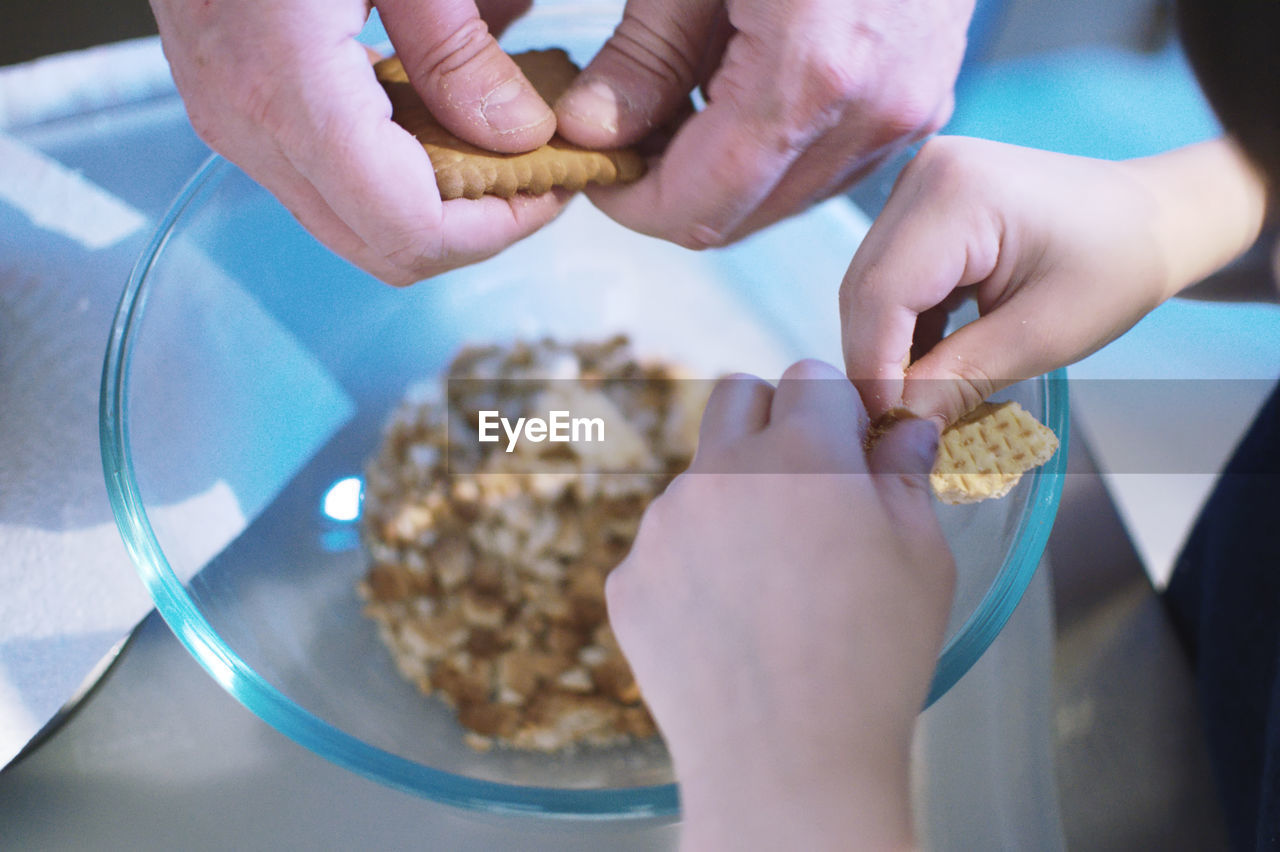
pixel 487 568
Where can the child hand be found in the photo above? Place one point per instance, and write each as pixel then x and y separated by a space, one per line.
pixel 783 612
pixel 1063 254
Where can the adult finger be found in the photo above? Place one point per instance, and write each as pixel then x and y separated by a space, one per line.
pixel 470 230
pixel 271 169
pixel 830 171
pixel 769 101
pixel 385 188
pixel 738 407
pixel 641 76
pixel 467 81
pixel 500 14
pixel 866 135
pixel 257 154
pixel 718 168
pixel 474 230
pixel 337 132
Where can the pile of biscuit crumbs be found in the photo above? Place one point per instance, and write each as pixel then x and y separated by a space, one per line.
pixel 487 586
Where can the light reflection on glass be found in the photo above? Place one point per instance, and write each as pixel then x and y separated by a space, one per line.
pixel 342 500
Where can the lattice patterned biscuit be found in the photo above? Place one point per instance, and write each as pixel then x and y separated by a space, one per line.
pixel 984 454
pixel 466 171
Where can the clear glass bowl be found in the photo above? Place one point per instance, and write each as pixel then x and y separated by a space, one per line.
pixel 248 377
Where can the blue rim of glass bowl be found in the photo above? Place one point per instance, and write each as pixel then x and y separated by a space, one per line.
pixel 268 703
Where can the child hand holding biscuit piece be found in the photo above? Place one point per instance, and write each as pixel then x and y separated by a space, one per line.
pixel 783 611
pixel 1063 254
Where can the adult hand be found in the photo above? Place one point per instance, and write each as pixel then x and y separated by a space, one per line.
pixel 283 90
pixel 783 611
pixel 1063 254
pixel 803 97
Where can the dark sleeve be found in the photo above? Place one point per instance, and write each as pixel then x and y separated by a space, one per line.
pixel 1224 599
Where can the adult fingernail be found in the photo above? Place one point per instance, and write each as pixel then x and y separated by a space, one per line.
pixel 593 102
pixel 513 106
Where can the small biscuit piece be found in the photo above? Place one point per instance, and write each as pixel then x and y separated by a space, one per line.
pixel 984 454
pixel 464 170
pixel 882 425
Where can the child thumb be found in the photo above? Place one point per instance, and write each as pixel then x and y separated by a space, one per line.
pixel 902 459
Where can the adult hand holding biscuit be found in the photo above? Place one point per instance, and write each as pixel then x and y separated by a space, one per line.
pixel 285 91
pixel 783 611
pixel 803 97
pixel 1062 254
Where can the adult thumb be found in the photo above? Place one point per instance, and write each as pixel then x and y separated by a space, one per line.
pixel 642 75
pixel 468 83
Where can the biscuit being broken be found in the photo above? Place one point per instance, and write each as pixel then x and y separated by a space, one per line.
pixel 983 454
pixel 464 170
